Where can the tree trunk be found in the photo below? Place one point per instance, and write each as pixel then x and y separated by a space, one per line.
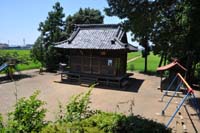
pixel 161 60
pixel 189 67
pixel 165 59
pixel 145 64
pixel 146 51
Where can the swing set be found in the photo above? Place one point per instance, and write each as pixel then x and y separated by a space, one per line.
pixel 189 94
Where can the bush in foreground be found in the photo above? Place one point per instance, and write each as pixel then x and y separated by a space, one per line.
pixel 76 117
pixel 28 115
pixel 108 123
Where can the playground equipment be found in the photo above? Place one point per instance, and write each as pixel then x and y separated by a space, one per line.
pixel 189 94
pixel 10 68
pixel 3 66
pixel 172 69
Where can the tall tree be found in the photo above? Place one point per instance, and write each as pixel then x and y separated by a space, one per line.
pixel 176 32
pixel 52 30
pixel 83 16
pixel 172 26
pixel 139 17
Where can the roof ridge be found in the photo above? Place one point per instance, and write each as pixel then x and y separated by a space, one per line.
pixel 97 25
pixel 118 30
pixel 73 35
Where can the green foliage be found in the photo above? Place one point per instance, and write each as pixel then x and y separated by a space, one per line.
pixel 131 67
pixel 139 124
pixel 1 124
pixel 77 120
pixel 78 107
pixel 22 59
pixel 28 115
pixel 52 31
pixel 83 16
pixel 13 59
pixel 172 26
pixel 138 17
pixel 9 57
pixel 108 123
pixel 37 52
pixel 177 33
pixel 75 127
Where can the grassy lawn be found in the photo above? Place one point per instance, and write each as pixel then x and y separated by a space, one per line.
pixel 138 64
pixel 24 54
pixel 133 54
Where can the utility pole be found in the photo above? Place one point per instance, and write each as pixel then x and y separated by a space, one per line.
pixel 24 41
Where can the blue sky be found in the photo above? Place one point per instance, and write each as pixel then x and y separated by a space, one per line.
pixel 20 18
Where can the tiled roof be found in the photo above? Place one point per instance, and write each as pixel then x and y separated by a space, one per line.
pixel 97 36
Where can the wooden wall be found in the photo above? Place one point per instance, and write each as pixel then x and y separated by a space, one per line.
pixel 108 63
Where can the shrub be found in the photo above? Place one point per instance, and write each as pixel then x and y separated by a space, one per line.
pixel 78 107
pixel 28 115
pixel 1 124
pixel 103 122
pixel 139 124
pixel 78 119
pixel 131 67
pixel 68 127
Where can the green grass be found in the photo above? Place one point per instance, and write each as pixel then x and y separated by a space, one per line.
pixel 133 55
pixel 24 54
pixel 19 52
pixel 138 64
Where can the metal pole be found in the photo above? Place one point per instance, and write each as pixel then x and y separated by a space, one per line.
pixel 165 93
pixel 179 106
pixel 177 88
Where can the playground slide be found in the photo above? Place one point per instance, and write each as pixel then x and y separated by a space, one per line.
pixel 3 66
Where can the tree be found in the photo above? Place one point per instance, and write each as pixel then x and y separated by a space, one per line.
pixel 37 52
pixel 83 16
pixel 52 30
pixel 139 18
pixel 172 26
pixel 176 33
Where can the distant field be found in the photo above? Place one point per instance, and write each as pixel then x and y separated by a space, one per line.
pixel 133 54
pixel 138 64
pixel 25 54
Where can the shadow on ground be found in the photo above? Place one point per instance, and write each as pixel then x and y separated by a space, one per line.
pixel 194 103
pixel 189 116
pixel 6 79
pixel 133 85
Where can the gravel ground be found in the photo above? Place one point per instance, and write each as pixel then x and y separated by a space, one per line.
pixel 142 94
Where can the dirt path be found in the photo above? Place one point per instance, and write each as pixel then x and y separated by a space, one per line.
pixel 142 92
pixel 135 58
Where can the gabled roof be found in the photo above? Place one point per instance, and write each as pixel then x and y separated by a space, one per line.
pixel 172 65
pixel 97 36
